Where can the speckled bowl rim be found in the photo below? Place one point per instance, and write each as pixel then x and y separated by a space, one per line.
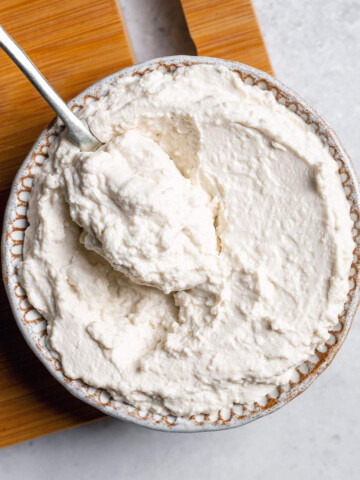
pixel 33 328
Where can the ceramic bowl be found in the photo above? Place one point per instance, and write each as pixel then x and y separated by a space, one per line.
pixel 33 326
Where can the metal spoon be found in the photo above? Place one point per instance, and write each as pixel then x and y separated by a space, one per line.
pixel 77 131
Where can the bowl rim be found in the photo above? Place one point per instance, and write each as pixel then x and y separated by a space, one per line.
pixel 200 422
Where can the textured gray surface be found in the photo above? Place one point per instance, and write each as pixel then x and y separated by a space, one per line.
pixel 314 46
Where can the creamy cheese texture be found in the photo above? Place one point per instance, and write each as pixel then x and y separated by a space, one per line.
pixel 142 214
pixel 200 255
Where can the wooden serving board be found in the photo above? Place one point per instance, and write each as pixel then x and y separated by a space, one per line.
pixel 75 43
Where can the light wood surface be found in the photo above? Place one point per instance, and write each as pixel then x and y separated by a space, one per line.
pixel 227 29
pixel 75 43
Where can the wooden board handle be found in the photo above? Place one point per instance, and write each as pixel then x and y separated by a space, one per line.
pixel 227 29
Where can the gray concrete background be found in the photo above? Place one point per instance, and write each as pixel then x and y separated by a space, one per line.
pixel 314 46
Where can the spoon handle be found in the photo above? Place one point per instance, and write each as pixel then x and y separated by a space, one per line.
pixel 77 131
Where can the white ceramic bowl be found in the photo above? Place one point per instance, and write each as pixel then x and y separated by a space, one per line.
pixel 33 326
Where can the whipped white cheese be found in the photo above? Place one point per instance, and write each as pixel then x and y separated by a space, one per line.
pixel 142 214
pixel 199 256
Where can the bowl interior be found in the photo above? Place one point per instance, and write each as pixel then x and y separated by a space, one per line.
pixel 33 326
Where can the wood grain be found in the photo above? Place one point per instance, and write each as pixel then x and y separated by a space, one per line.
pixel 227 29
pixel 73 43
